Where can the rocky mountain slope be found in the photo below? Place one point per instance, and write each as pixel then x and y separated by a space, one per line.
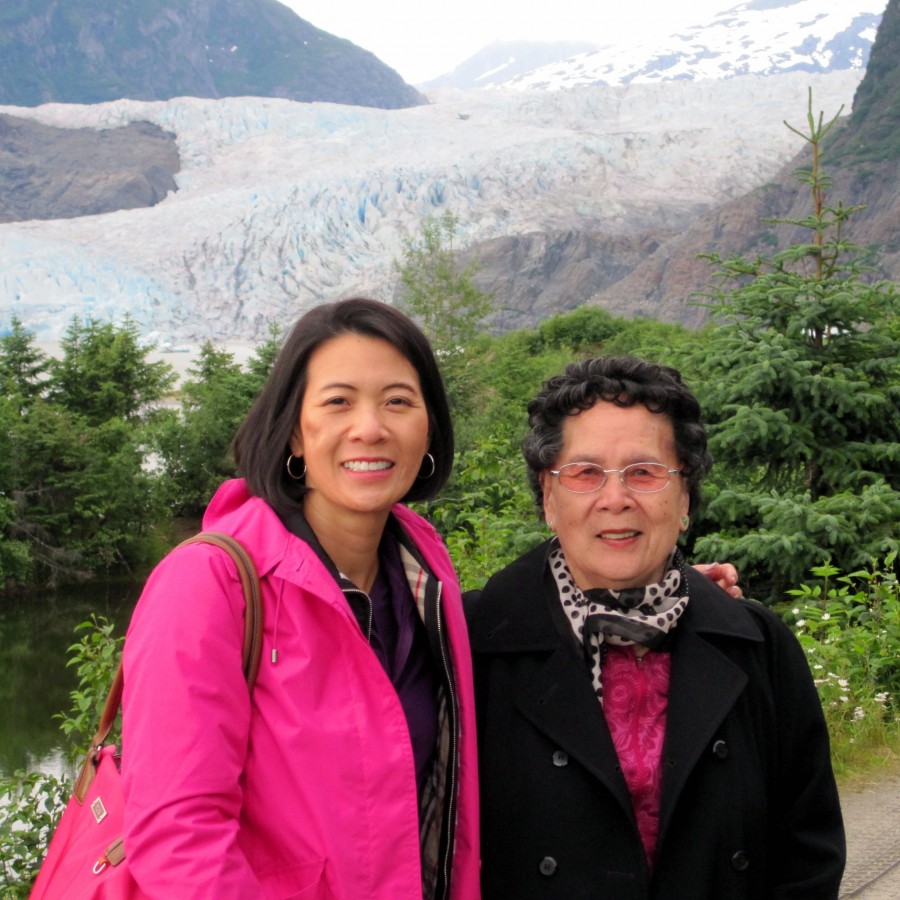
pixel 863 160
pixel 92 51
pixel 61 173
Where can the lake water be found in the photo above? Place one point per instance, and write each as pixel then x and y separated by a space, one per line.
pixel 35 634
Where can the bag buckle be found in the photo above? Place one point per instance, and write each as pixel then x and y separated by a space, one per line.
pixel 112 856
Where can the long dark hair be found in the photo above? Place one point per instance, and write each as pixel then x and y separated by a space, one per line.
pixel 262 442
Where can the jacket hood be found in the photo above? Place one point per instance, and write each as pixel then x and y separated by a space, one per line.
pixel 249 519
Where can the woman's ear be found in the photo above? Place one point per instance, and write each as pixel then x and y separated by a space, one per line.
pixel 547 503
pixel 685 510
pixel 296 442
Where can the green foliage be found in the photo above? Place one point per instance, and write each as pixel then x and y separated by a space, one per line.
pixel 30 806
pixel 15 558
pixel 194 442
pixel 31 803
pixel 445 302
pixel 261 361
pixel 95 657
pixel 104 374
pixel 82 498
pixel 649 339
pixel 75 492
pixel 849 626
pixel 507 370
pixel 437 293
pixel 800 388
pixel 488 518
pixel 22 365
pixel 580 330
pixel 92 466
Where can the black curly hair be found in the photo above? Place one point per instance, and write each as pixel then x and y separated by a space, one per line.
pixel 625 381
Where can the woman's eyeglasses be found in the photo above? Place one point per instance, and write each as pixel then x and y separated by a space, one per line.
pixel 642 478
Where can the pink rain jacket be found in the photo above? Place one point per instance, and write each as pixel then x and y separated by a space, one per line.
pixel 308 791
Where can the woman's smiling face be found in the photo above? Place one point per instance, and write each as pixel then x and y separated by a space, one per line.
pixel 363 427
pixel 616 538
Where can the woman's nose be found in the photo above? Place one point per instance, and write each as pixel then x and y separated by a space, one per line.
pixel 368 424
pixel 613 494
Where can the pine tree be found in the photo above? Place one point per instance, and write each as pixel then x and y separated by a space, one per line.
pixel 801 388
pixel 444 299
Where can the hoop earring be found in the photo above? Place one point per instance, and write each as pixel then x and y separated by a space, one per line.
pixel 429 457
pixel 291 475
pixel 685 521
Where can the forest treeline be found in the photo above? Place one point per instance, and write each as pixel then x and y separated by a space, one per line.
pixel 798 373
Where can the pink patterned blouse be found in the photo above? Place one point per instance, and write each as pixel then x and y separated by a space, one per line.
pixel 635 701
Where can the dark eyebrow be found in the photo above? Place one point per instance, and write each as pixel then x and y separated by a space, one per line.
pixel 397 385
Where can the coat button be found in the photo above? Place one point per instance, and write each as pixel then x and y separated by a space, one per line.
pixel 720 749
pixel 560 758
pixel 740 862
pixel 548 866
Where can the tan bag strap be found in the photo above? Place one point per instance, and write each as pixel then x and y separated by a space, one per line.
pixel 250 582
pixel 252 649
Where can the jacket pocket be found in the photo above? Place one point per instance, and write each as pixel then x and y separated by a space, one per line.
pixel 301 882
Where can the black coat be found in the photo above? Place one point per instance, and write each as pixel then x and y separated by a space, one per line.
pixel 749 807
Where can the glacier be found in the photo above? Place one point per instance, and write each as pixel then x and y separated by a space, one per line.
pixel 281 205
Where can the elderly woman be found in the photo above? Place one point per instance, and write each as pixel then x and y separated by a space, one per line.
pixel 642 735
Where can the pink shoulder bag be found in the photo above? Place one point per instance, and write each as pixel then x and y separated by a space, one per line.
pixel 86 857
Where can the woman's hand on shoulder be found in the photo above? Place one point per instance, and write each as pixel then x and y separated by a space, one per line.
pixel 725 575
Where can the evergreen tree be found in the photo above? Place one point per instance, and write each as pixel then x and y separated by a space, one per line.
pixel 263 358
pixel 22 365
pixel 445 301
pixel 76 492
pixel 82 499
pixel 194 442
pixel 801 388
pixel 104 373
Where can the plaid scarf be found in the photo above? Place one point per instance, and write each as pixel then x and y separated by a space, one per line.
pixel 643 615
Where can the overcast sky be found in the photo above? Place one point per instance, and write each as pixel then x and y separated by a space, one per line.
pixel 422 39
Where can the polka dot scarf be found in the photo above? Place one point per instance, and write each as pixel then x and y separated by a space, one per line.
pixel 631 616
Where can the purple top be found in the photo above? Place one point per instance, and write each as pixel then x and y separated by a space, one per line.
pixel 400 642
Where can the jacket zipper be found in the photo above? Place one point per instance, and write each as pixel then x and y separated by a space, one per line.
pixel 367 631
pixel 449 813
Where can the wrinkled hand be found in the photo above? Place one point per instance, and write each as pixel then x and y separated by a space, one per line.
pixel 725 575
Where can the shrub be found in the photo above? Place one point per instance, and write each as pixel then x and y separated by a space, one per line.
pixel 31 803
pixel 849 626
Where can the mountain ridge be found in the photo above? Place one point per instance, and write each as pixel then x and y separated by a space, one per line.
pixel 749 38
pixel 84 51
pixel 862 161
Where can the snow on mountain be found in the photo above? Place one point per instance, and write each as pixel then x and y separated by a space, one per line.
pixel 281 205
pixel 761 37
